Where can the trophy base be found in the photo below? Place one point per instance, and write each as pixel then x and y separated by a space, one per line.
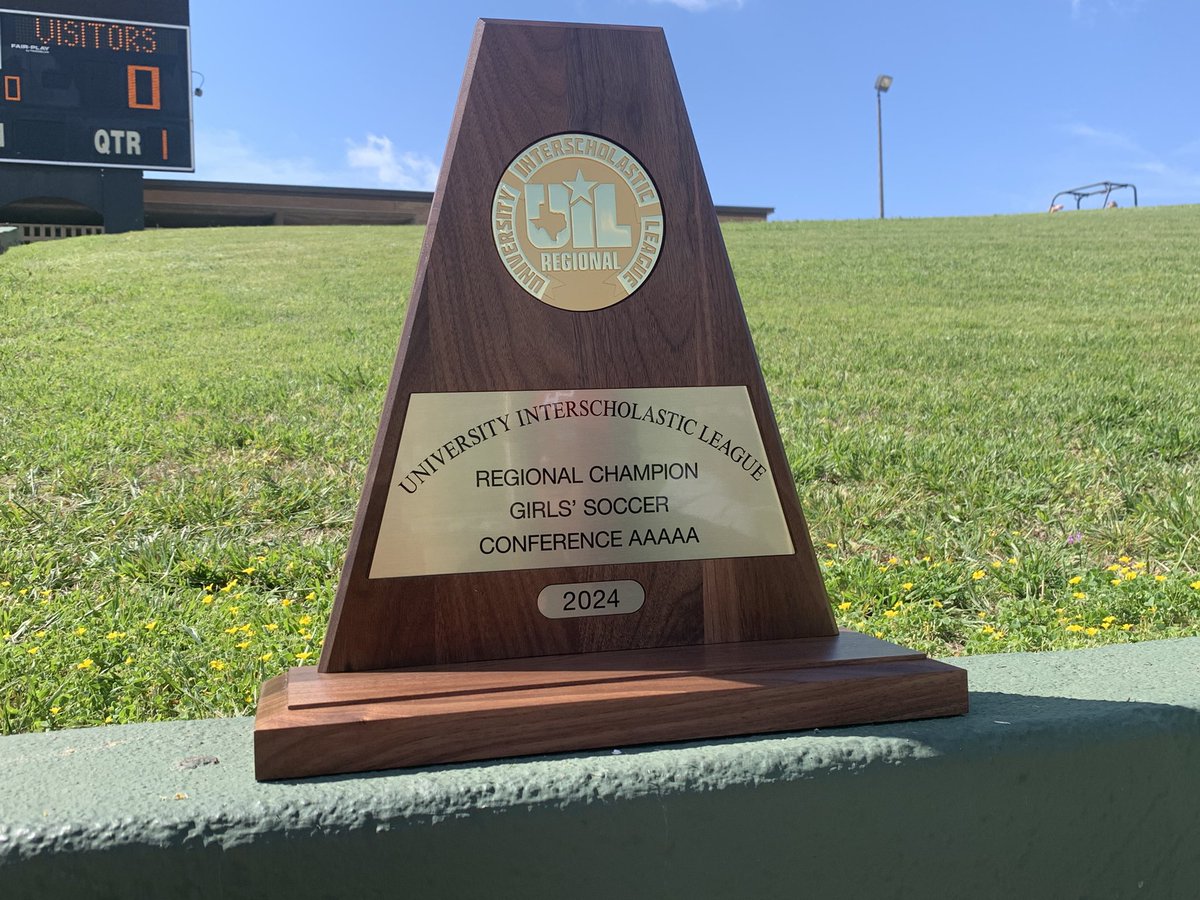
pixel 310 723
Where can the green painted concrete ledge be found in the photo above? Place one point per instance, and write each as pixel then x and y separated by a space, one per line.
pixel 1075 775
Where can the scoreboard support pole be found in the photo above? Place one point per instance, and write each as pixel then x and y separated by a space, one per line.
pixel 116 194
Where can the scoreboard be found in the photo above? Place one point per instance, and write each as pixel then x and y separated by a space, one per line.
pixel 95 92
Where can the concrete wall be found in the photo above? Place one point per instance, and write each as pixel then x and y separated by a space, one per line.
pixel 1075 775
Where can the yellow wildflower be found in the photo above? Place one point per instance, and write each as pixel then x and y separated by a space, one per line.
pixel 303 656
pixel 1074 628
pixel 217 664
pixel 86 664
pixel 248 571
pixel 115 635
pixel 242 645
pixel 937 604
pixel 151 625
pixel 33 651
pixel 270 626
pixel 1195 585
pixel 1126 626
pixel 80 631
pixel 908 586
pixel 54 710
pixel 265 657
pixel 978 574
pixel 830 545
pixel 988 629
pixel 286 602
pixel 1113 568
pixel 1115 581
pixel 1160 577
pixel 311 595
pixel 1091 632
pixel 207 599
pixel 1075 580
pixel 996 564
pixel 890 613
pixel 844 605
pixel 1079 595
pixel 1123 559
pixel 305 620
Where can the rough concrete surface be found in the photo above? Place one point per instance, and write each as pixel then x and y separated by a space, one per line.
pixel 1076 774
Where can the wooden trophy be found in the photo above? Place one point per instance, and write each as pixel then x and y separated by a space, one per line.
pixel 579 528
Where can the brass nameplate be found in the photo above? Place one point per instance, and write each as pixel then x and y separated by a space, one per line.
pixel 504 480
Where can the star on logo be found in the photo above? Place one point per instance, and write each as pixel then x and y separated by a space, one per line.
pixel 581 188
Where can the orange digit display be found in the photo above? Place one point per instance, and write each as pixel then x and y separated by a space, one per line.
pixel 155 93
pixel 12 88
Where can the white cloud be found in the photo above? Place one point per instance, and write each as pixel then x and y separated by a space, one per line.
pixel 702 5
pixel 407 171
pixel 1117 153
pixel 1111 139
pixel 224 155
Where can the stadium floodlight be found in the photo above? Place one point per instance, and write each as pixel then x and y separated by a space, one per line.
pixel 882 83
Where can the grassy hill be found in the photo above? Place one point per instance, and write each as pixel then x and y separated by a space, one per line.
pixel 993 424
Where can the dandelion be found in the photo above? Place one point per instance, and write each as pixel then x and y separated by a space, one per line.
pixel 207 599
pixel 217 665
pixel 996 564
pixel 1075 580
pixel 151 625
pixel 1074 627
pixel 978 574
pixel 891 613
pixel 1123 559
pixel 232 629
pixel 831 546
pixel 1195 585
pixel 1012 560
pixel 982 614
pixel 1091 632
pixel 1115 581
pixel 1139 565
pixel 286 602
pixel 86 664
pixel 270 626
pixel 248 571
pixel 242 645
pixel 908 586
pixel 80 631
pixel 937 604
pixel 311 595
pixel 844 605
pixel 266 657
pixel 1130 576
pixel 55 710
pixel 1160 577
pixel 1126 626
pixel 1079 595
pixel 305 620
pixel 115 635
pixel 233 610
pixel 988 629
pixel 892 560
pixel 33 651
pixel 304 655
pixel 879 634
pixel 129 660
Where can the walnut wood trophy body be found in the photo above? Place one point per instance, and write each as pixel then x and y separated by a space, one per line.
pixel 724 645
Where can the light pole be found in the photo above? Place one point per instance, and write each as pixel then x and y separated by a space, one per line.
pixel 882 83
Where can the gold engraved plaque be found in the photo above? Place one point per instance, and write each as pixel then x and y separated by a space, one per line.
pixel 505 480
pixel 577 221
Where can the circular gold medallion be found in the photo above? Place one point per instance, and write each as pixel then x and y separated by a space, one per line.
pixel 577 221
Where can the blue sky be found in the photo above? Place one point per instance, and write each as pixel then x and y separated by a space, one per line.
pixel 996 105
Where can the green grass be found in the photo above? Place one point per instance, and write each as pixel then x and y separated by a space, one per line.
pixel 186 417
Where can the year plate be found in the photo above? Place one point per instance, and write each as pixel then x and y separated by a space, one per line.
pixel 594 598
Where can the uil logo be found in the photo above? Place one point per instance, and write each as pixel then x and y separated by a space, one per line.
pixel 577 222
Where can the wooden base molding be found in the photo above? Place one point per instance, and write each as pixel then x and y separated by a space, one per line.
pixel 311 723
